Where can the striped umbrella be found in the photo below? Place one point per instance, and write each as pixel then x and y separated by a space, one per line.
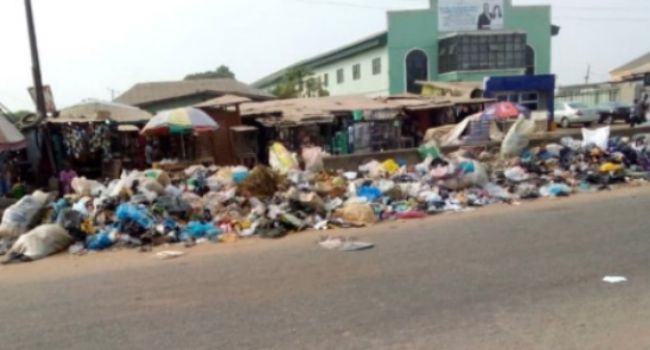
pixel 10 138
pixel 180 121
pixel 504 110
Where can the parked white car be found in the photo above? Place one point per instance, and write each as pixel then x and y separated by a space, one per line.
pixel 568 113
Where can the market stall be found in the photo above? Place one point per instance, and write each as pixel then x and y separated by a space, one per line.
pixel 181 140
pixel 92 137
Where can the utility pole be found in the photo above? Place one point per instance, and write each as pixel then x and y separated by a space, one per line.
pixel 588 76
pixel 38 82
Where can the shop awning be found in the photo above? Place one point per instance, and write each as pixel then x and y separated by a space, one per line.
pixel 101 111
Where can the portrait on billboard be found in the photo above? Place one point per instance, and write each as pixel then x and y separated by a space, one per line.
pixel 470 15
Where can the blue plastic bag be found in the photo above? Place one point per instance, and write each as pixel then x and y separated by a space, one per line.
pixel 197 229
pixel 128 211
pixel 99 241
pixel 371 193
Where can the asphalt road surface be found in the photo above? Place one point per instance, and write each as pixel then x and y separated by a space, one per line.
pixel 506 277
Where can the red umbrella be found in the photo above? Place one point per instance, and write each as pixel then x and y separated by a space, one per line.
pixel 504 110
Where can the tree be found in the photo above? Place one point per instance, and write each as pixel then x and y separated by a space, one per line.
pixel 299 82
pixel 222 72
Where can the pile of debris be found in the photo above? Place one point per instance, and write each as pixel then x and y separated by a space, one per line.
pixel 210 204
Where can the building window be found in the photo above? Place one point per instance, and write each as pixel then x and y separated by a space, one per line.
pixel 492 51
pixel 340 76
pixel 326 79
pixel 376 66
pixel 356 72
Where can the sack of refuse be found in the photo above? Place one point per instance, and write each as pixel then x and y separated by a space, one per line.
pixel 598 137
pixel 39 243
pixel 313 158
pixel 357 213
pixel 18 218
pixel 281 159
pixel 517 138
pixel 84 187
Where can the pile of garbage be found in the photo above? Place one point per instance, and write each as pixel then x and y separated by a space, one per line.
pixel 226 204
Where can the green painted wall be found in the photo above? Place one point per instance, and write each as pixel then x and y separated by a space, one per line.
pixel 408 30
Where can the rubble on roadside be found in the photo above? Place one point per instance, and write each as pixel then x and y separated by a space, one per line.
pixel 223 205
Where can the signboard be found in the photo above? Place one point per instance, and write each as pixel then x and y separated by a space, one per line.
pixel 470 15
pixel 50 107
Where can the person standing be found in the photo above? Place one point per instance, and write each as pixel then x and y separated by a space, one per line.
pixel 485 19
pixel 65 178
pixel 643 109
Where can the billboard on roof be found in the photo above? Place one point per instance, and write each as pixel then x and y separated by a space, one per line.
pixel 470 15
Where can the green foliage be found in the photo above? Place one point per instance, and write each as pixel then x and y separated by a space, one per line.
pixel 222 72
pixel 299 82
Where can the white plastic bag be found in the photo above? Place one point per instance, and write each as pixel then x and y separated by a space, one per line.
pixel 85 187
pixel 281 160
pixel 313 158
pixel 41 242
pixel 598 137
pixel 517 138
pixel 17 219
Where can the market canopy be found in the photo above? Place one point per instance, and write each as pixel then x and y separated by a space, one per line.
pixel 101 111
pixel 179 121
pixel 10 138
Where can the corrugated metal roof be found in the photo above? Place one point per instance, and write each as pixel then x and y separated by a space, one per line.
pixel 146 93
pixel 223 101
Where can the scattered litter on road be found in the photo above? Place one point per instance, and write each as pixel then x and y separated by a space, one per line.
pixel 614 279
pixel 169 254
pixel 344 244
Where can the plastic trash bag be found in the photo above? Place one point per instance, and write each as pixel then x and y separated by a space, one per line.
pixel 370 193
pixel 313 158
pixel 390 166
pixel 239 174
pixel 196 230
pixel 598 137
pixel 517 138
pixel 128 211
pixel 467 173
pixel 101 241
pixel 430 150
pixel 516 174
pixel 194 201
pixel 374 169
pixel 39 243
pixel 555 190
pixel 159 175
pixel 84 187
pixel 281 159
pixel 18 218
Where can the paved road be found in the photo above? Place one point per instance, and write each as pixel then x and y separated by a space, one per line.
pixel 526 277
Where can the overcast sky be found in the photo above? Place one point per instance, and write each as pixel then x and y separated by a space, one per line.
pixel 90 46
